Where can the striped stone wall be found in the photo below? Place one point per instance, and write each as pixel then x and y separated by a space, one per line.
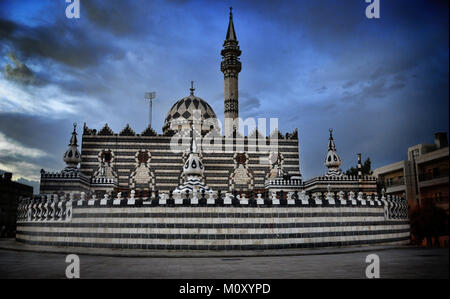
pixel 62 182
pixel 216 228
pixel 366 184
pixel 166 166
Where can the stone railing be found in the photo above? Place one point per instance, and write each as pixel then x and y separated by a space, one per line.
pixel 283 182
pixel 395 207
pixel 343 178
pixel 59 208
pixel 60 175
pixel 103 181
pixel 45 208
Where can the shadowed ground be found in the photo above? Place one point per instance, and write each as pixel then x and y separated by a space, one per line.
pixel 394 263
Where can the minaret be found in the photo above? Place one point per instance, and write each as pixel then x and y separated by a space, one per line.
pixel 230 67
pixel 332 161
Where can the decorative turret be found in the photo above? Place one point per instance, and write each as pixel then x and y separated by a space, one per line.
pixel 193 165
pixel 230 67
pixel 332 160
pixel 72 156
pixel 193 170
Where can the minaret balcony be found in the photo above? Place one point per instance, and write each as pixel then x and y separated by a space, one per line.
pixel 231 51
pixel 229 64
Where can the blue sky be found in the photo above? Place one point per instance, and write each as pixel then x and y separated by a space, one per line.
pixel 381 84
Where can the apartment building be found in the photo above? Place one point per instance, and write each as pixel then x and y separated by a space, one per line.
pixel 423 178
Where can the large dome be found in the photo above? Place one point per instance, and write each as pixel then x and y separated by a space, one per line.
pixel 182 113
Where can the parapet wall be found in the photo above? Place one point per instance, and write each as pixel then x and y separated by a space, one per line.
pixel 137 225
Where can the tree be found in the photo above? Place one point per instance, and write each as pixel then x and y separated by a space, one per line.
pixel 428 222
pixel 381 184
pixel 366 168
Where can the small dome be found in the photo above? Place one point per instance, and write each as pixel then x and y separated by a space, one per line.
pixel 72 157
pixel 193 165
pixel 182 113
pixel 332 159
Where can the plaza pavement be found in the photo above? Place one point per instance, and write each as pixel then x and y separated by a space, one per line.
pixel 395 262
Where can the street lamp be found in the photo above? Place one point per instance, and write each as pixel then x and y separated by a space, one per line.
pixel 150 96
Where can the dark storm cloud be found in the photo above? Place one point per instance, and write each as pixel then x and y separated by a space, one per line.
pixel 34 143
pixel 119 17
pixel 321 90
pixel 44 134
pixel 179 1
pixel 59 42
pixel 403 38
pixel 248 103
pixel 349 84
pixel 382 130
pixel 19 72
pixel 325 21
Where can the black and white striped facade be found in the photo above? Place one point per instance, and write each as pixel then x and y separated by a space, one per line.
pixel 220 224
pixel 222 167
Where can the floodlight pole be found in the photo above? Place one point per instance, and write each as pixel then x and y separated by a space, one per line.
pixel 150 96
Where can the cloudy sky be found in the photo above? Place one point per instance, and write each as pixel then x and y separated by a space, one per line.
pixel 382 84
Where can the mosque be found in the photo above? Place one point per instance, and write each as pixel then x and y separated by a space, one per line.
pixel 120 162
pixel 125 189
